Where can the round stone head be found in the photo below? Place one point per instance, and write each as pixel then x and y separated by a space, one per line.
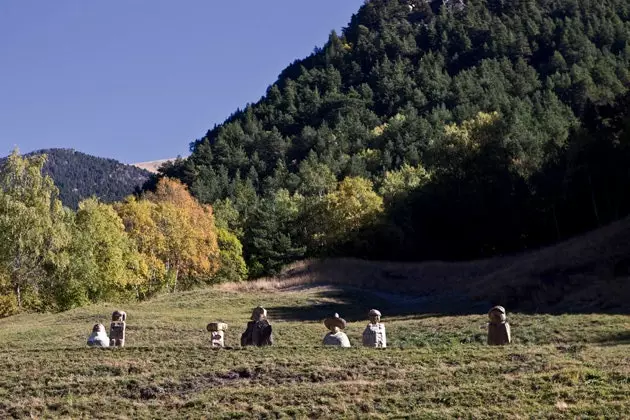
pixel 119 316
pixel 497 315
pixel 334 323
pixel 217 326
pixel 97 328
pixel 375 316
pixel 259 313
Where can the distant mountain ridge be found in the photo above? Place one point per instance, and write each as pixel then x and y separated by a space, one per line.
pixel 153 165
pixel 79 176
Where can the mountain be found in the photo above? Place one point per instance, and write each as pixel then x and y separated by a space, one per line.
pixel 431 130
pixel 153 165
pixel 79 176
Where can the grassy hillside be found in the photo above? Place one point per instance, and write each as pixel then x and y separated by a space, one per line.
pixel 588 273
pixel 437 366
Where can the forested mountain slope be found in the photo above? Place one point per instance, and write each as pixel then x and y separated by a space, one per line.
pixel 79 176
pixel 447 130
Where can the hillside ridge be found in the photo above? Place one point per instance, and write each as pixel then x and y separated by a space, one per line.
pixel 79 176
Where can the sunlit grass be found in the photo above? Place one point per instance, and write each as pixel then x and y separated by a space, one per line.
pixel 437 366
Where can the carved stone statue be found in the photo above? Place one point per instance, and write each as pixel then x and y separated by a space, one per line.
pixel 217 334
pixel 98 338
pixel 117 329
pixel 498 327
pixel 374 333
pixel 336 337
pixel 258 332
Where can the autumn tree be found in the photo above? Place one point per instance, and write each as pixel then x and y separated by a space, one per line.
pixel 399 182
pixel 139 217
pixel 351 207
pixel 190 252
pixel 232 264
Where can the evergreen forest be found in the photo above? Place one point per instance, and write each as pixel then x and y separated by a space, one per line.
pixel 430 130
pixel 79 176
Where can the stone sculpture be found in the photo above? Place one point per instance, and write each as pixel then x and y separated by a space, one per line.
pixel 258 332
pixel 217 334
pixel 98 338
pixel 117 329
pixel 498 327
pixel 374 333
pixel 336 337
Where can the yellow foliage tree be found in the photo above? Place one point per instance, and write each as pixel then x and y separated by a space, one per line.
pixel 139 218
pixel 396 183
pixel 190 249
pixel 354 205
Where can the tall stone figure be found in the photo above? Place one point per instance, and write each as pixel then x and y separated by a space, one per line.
pixel 336 337
pixel 117 329
pixel 258 332
pixel 498 327
pixel 217 334
pixel 374 333
pixel 99 337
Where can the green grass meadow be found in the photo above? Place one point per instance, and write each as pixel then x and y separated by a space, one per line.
pixel 436 366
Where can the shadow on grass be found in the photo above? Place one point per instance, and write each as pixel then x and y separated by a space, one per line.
pixel 353 305
pixel 621 337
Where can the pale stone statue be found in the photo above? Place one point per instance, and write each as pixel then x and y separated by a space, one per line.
pixel 336 337
pixel 258 332
pixel 98 338
pixel 498 327
pixel 217 334
pixel 374 333
pixel 117 329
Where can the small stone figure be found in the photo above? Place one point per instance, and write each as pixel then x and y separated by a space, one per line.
pixel 117 329
pixel 217 334
pixel 374 333
pixel 336 337
pixel 258 332
pixel 98 338
pixel 498 327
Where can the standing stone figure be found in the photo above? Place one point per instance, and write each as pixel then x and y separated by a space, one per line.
pixel 117 329
pixel 258 332
pixel 336 337
pixel 98 338
pixel 217 334
pixel 498 327
pixel 374 334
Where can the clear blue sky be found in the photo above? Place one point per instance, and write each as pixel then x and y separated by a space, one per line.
pixel 138 80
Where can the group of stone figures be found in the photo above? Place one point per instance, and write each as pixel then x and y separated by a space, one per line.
pixel 117 328
pixel 259 331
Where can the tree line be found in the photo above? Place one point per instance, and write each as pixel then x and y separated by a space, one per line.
pixel 54 258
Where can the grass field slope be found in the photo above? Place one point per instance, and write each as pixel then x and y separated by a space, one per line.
pixel 437 365
pixel 588 273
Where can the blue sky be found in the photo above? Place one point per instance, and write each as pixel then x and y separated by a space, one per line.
pixel 138 80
